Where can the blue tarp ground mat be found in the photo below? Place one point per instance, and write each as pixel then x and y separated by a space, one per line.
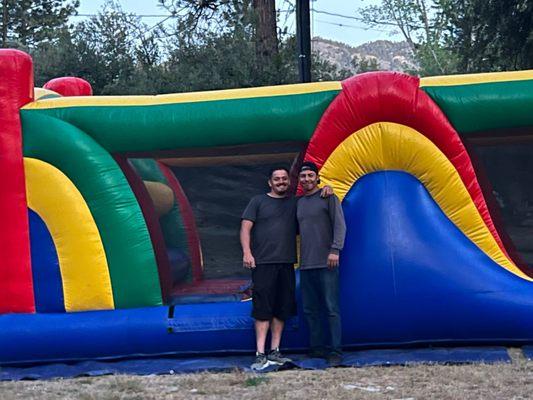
pixel 528 352
pixel 161 366
pixel 459 355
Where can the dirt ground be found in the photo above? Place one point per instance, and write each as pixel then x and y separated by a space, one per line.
pixel 478 381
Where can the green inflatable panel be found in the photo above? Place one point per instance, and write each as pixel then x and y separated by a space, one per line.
pixel 486 106
pixel 198 124
pixel 125 237
pixel 148 169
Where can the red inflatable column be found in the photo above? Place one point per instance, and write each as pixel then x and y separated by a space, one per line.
pixel 16 89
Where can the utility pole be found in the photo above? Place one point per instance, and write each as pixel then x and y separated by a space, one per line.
pixel 303 40
pixel 4 23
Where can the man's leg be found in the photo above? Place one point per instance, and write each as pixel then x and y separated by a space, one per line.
pixel 311 299
pixel 263 281
pixel 276 329
pixel 330 288
pixel 261 331
pixel 285 307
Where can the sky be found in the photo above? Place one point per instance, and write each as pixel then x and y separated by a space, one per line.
pixel 331 27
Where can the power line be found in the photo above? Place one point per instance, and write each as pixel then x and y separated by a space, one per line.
pixel 362 19
pixel 352 26
pixel 172 15
pixel 313 10
pixel 337 15
pixel 136 15
pixel 281 11
pixel 357 18
pixel 155 26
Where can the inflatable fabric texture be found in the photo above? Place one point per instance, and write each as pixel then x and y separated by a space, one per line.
pixel 193 238
pixel 123 124
pixel 112 204
pixel 48 287
pixel 494 101
pixel 408 276
pixel 408 273
pixel 173 226
pixel 394 97
pixel 41 94
pixel 162 196
pixel 16 89
pixel 82 259
pixel 69 86
pixel 152 223
pixel 423 262
pixel 388 146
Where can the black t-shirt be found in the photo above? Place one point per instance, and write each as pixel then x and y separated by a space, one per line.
pixel 274 232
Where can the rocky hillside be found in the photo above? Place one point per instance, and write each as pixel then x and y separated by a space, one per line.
pixel 393 56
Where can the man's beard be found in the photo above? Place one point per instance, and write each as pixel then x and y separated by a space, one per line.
pixel 281 190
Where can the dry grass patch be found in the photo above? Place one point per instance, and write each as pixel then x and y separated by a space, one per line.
pixel 479 381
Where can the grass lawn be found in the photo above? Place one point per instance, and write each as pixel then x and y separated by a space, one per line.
pixel 476 381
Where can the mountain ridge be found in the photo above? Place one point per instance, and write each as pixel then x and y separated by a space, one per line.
pixel 374 55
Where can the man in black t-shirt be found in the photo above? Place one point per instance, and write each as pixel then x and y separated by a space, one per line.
pixel 268 239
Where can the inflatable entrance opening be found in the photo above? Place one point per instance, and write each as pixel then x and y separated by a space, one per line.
pixel 198 197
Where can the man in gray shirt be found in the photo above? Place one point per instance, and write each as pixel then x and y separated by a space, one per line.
pixel 322 233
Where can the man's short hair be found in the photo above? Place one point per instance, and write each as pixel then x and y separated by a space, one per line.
pixel 277 168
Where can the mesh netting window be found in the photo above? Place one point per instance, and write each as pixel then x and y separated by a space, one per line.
pixel 198 201
pixel 508 170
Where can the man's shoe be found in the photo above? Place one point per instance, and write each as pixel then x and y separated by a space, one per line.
pixel 317 353
pixel 334 359
pixel 275 357
pixel 260 363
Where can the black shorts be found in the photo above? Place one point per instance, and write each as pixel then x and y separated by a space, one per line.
pixel 274 287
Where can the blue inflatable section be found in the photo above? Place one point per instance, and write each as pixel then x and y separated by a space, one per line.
pixel 408 275
pixel 47 283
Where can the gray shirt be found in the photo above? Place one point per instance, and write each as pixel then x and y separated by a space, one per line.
pixel 273 238
pixel 322 229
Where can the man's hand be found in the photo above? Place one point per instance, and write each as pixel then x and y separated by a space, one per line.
pixel 326 191
pixel 333 261
pixel 248 261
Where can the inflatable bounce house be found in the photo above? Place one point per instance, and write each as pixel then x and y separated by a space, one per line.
pixel 120 214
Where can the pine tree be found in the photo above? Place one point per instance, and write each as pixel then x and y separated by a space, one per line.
pixel 26 23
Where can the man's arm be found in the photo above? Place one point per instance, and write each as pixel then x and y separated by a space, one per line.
pixel 339 231
pixel 246 231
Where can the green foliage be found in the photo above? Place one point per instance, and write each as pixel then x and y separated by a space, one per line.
pixel 119 54
pixel 26 23
pixel 361 64
pixel 491 35
pixel 112 50
pixel 213 44
pixel 461 36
